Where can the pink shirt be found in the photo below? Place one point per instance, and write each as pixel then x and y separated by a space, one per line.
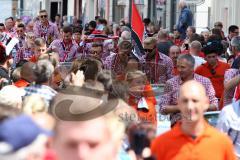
pixel 159 70
pixel 67 53
pixel 24 53
pixel 229 74
pixel 49 33
pixel 171 94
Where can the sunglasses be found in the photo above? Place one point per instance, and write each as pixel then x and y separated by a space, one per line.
pixel 19 31
pixel 31 37
pixel 212 71
pixel 94 52
pixel 43 16
pixel 148 50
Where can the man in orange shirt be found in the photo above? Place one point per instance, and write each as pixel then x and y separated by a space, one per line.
pixel 193 137
pixel 213 68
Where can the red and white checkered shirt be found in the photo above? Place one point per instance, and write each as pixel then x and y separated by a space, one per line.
pixel 228 96
pixel 112 63
pixel 171 94
pixel 159 71
pixel 24 53
pixel 67 53
pixel 49 33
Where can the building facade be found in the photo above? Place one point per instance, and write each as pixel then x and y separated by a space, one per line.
pixel 226 11
pixel 62 7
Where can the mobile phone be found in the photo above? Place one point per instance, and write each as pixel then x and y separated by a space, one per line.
pixel 186 46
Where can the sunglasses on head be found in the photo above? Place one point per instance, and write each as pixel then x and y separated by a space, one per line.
pixel 43 16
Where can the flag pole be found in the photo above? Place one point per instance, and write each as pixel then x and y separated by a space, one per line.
pixel 130 13
pixel 130 17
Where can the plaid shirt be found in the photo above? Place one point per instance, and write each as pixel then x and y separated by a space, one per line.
pixel 112 63
pixel 171 94
pixel 46 92
pixel 228 96
pixel 24 53
pixel 160 71
pixel 48 33
pixel 67 53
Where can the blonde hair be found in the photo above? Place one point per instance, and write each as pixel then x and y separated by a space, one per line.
pixel 39 42
pixel 34 104
pixel 135 74
pixel 150 41
pixel 53 57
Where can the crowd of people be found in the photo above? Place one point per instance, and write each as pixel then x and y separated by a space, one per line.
pixel 82 91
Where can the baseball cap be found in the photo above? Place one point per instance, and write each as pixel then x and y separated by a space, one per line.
pixel 18 132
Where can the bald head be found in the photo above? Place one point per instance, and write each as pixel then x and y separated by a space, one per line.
pixel 182 3
pixel 192 101
pixel 193 86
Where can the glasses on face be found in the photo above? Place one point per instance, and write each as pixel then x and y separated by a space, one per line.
pixel 174 52
pixel 19 31
pixel 43 16
pixel 148 50
pixel 31 37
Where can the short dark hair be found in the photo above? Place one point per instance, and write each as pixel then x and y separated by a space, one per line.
pixel 97 18
pixel 3 55
pixel 146 21
pixel 2 25
pixel 187 57
pixel 195 37
pixel 58 15
pixel 213 47
pixel 102 21
pixel 67 29
pixel 9 18
pixel 232 28
pixel 77 30
pixel 193 29
pixel 20 25
pixel 93 24
pixel 90 68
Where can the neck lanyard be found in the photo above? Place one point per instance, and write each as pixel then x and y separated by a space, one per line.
pixel 156 66
pixel 66 49
pixel 44 30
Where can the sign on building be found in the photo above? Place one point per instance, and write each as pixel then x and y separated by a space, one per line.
pixel 196 2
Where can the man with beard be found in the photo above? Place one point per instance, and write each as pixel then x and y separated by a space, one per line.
pixel 117 62
pixel 65 47
pixel 158 67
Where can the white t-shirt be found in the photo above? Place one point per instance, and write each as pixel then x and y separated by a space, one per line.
pixel 198 61
pixel 229 123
